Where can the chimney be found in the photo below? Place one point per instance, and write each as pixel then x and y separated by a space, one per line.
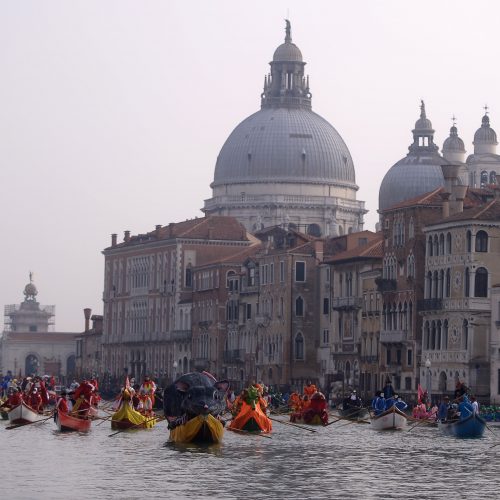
pixel 113 239
pixel 318 250
pixel 450 174
pixel 86 312
pixel 445 197
pixel 157 231
pixel 459 193
pixel 171 230
pixel 126 236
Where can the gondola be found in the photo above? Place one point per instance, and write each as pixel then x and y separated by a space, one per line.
pixel 470 427
pixel 200 429
pixel 67 423
pixel 391 419
pixel 23 414
pixel 251 420
pixel 126 418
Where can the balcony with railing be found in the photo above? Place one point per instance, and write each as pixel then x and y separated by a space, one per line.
pixel 459 356
pixel 345 303
pixel 372 359
pixel 393 336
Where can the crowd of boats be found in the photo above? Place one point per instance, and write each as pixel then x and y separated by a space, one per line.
pixel 198 408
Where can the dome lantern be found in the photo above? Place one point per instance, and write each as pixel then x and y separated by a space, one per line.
pixel 286 85
pixel 485 138
pixel 453 147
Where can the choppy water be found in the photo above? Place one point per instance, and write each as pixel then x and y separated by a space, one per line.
pixel 339 461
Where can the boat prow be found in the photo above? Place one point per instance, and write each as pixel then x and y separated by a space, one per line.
pixel 391 419
pixel 67 423
pixel 23 414
pixel 200 429
pixel 127 418
pixel 471 427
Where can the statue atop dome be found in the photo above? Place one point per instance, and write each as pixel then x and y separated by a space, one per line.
pixel 30 291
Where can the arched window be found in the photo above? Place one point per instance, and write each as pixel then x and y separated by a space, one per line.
pixel 441 244
pixel 426 335
pixel 435 245
pixel 445 335
pixel 299 346
pixel 448 243
pixel 299 306
pixel 493 177
pixel 467 283
pixel 441 284
pixel 481 241
pixel 438 336
pixel 484 178
pixel 429 247
pixel 411 229
pixel 468 239
pixel 481 283
pixel 433 336
pixel 448 283
pixel 435 282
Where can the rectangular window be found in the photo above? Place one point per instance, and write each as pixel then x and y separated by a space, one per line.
pixel 388 356
pixel 300 271
pixel 328 271
pixel 398 356
pixel 282 271
pixel 271 273
pixel 326 336
pixel 249 311
pixel 409 358
pixel 326 305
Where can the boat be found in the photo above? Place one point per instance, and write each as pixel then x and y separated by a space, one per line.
pixel 199 429
pixel 470 427
pixel 67 422
pixel 354 413
pixel 24 414
pixel 304 419
pixel 251 419
pixel 127 418
pixel 4 415
pixel 314 414
pixel 390 419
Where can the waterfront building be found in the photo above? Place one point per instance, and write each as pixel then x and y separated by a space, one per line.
pixel 349 325
pixel 286 165
pixel 29 344
pixel 461 269
pixel 495 344
pixel 148 287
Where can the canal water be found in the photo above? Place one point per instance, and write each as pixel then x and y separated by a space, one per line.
pixel 339 461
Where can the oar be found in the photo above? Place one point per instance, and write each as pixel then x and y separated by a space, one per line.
pixel 137 425
pixel 292 424
pixel 105 419
pixel 421 421
pixel 243 431
pixel 16 426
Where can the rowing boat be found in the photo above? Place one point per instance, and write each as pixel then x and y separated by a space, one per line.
pixel 66 423
pixel 353 413
pixel 391 419
pixel 126 417
pixel 470 427
pixel 251 419
pixel 199 429
pixel 23 414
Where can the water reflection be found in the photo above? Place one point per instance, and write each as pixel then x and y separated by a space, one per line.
pixel 351 461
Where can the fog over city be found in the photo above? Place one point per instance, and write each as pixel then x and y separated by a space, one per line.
pixel 112 113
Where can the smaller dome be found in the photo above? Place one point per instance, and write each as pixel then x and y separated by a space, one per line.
pixel 485 134
pixel 287 51
pixel 453 142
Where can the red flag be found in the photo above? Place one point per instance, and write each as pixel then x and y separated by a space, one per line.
pixel 420 393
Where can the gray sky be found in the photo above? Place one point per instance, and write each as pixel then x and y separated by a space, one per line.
pixel 112 113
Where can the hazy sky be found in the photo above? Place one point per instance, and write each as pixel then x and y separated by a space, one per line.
pixel 112 113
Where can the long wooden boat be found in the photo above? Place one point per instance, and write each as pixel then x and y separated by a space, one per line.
pixel 66 423
pixel 470 427
pixel 200 429
pixel 126 418
pixel 251 420
pixel 389 420
pixel 302 419
pixel 23 414
pixel 354 413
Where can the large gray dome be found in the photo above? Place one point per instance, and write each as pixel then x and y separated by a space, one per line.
pixel 284 144
pixel 485 134
pixel 418 173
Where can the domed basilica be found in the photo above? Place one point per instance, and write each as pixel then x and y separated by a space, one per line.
pixel 286 165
